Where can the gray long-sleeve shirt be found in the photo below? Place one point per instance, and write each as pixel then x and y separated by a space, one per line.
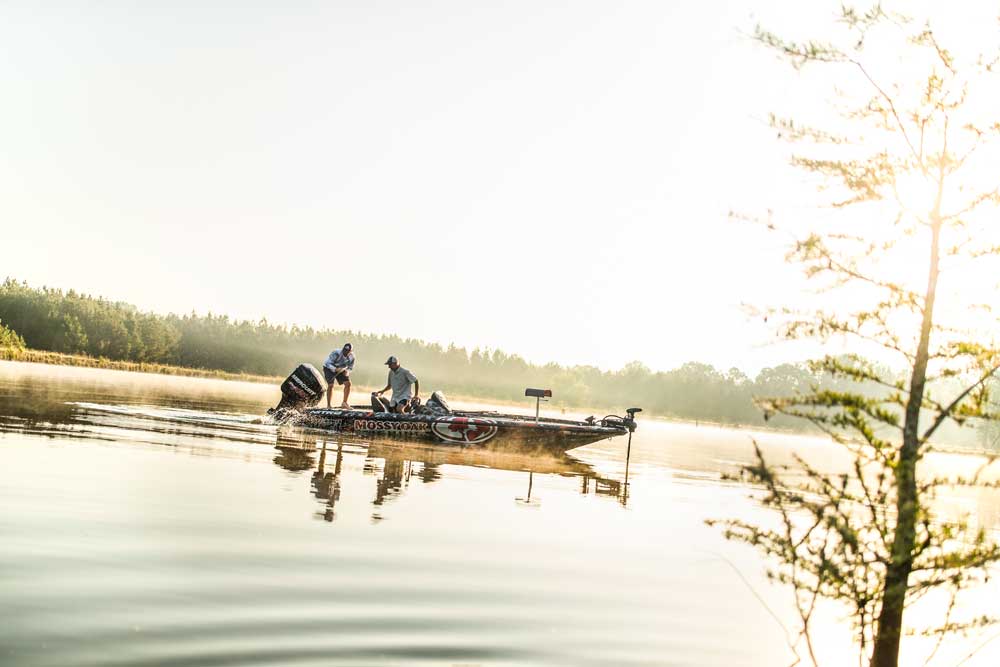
pixel 338 361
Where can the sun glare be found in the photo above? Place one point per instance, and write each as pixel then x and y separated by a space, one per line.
pixel 916 192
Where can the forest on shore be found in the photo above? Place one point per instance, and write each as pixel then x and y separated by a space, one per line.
pixel 72 323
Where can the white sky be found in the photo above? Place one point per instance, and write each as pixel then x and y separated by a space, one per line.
pixel 490 175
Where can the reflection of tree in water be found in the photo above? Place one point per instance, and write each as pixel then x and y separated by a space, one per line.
pixel 39 410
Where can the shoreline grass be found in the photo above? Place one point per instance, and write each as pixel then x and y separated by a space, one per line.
pixel 84 361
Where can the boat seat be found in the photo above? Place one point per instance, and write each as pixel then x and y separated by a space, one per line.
pixel 437 404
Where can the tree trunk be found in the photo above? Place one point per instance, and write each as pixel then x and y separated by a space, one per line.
pixel 890 620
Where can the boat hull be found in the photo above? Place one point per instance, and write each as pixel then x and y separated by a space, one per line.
pixel 487 430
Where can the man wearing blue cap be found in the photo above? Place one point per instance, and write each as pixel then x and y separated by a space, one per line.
pixel 399 381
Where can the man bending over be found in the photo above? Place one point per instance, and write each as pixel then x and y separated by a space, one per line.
pixel 338 366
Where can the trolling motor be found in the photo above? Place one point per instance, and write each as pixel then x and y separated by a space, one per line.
pixel 615 420
pixel 630 420
pixel 630 424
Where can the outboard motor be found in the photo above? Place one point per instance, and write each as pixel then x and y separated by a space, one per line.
pixel 302 389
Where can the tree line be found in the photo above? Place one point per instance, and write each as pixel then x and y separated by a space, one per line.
pixel 74 323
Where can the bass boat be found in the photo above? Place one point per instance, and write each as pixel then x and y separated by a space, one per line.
pixel 435 421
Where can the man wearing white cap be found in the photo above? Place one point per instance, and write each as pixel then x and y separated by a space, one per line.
pixel 399 381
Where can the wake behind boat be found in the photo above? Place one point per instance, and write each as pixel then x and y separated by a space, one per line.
pixel 437 422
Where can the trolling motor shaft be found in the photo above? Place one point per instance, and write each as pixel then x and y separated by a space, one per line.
pixel 630 425
pixel 630 420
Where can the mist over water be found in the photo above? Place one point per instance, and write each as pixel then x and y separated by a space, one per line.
pixel 150 520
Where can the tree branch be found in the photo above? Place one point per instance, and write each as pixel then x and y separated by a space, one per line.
pixel 947 412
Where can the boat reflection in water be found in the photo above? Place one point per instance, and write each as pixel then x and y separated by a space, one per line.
pixel 395 465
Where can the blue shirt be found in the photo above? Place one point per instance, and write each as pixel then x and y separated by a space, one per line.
pixel 338 361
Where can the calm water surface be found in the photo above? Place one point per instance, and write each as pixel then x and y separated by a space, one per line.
pixel 149 520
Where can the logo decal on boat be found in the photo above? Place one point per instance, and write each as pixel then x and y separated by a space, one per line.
pixel 464 431
pixel 376 425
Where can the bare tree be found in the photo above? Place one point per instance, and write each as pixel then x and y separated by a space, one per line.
pixel 908 189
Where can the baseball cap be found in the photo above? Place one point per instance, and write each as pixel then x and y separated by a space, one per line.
pixel 391 360
pixel 348 346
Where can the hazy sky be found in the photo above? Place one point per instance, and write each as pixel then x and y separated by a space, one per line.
pixel 550 178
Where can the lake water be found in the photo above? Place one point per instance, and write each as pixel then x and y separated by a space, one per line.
pixel 152 520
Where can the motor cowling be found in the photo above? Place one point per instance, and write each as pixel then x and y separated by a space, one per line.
pixel 302 389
